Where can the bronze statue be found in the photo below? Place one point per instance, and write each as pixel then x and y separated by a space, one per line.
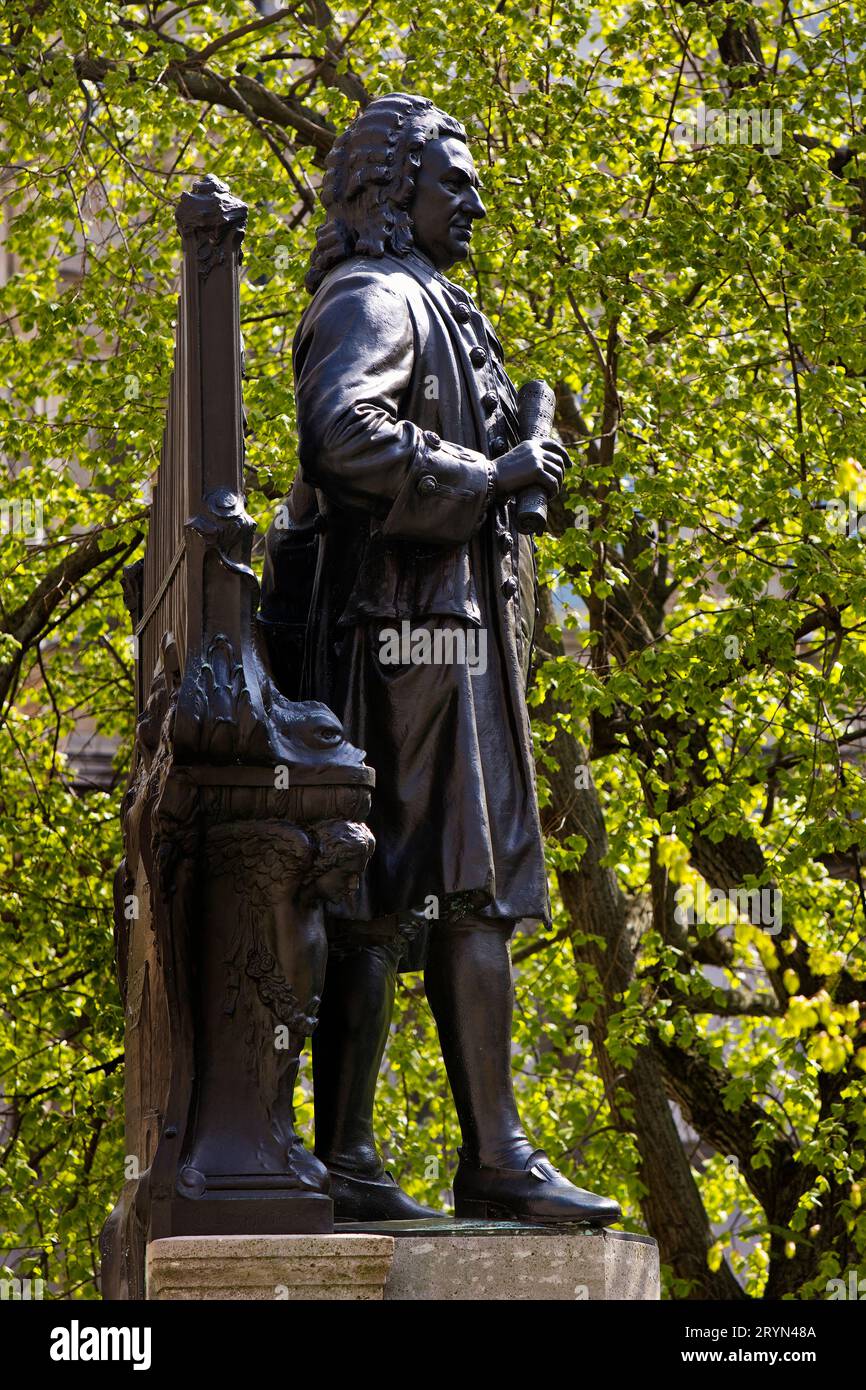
pixel 417 628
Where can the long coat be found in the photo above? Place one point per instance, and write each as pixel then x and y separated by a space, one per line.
pixel 402 402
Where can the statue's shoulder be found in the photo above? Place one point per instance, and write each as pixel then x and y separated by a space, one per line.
pixel 378 277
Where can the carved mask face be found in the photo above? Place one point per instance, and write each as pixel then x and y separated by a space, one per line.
pixel 446 202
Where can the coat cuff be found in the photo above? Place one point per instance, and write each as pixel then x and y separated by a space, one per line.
pixel 445 495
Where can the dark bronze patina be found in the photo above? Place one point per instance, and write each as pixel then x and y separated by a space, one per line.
pixel 420 476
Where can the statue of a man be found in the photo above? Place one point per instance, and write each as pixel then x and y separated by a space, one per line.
pixel 419 637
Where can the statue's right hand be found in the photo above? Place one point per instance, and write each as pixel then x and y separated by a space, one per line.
pixel 534 463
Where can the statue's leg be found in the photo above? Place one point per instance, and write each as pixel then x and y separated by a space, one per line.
pixel 349 1043
pixel 470 990
pixel 348 1046
pixel 501 1175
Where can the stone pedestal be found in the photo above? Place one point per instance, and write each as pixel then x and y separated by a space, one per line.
pixel 433 1261
pixel 454 1260
pixel 275 1268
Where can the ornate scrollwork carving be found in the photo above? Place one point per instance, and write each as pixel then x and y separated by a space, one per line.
pixel 220 704
pixel 224 525
pixel 210 213
pixel 277 994
pixel 131 582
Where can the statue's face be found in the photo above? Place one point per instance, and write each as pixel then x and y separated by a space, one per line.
pixel 446 202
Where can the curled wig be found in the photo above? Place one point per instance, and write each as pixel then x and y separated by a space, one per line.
pixel 370 178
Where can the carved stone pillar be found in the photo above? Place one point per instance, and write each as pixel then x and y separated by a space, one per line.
pixel 242 816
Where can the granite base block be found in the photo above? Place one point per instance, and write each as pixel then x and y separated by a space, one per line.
pixel 428 1261
pixel 350 1267
pixel 453 1260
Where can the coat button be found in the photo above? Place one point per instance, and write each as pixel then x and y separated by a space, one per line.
pixel 506 541
pixel 497 444
pixel 477 356
pixel 490 400
pixel 509 588
pixel 427 485
pixel 461 312
pixel 433 439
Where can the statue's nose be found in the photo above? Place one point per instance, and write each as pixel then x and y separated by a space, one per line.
pixel 474 205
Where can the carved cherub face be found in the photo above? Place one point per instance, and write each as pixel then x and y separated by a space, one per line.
pixel 343 851
pixel 340 883
pixel 446 202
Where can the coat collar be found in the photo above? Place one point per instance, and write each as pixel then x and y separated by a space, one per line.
pixel 446 294
pixel 443 291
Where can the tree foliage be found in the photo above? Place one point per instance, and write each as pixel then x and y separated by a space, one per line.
pixel 698 705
